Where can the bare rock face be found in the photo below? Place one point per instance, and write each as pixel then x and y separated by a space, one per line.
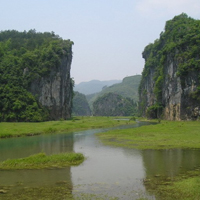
pixel 55 90
pixel 178 99
pixel 177 94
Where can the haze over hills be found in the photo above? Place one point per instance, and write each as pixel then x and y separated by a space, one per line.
pixel 93 86
pixel 127 88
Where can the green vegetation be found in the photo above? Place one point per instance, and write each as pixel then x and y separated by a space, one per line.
pixel 185 186
pixel 128 88
pixel 180 44
pixel 9 129
pixel 165 135
pixel 154 111
pixel 41 161
pixel 25 57
pixel 61 190
pixel 80 105
pixel 112 104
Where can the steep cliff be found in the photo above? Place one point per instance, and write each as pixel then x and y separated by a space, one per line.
pixel 54 90
pixel 35 83
pixel 170 85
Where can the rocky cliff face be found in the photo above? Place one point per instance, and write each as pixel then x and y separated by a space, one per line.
pixel 178 94
pixel 170 79
pixel 55 90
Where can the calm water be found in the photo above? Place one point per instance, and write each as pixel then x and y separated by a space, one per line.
pixel 107 171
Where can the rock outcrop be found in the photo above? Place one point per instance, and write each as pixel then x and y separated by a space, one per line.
pixel 170 81
pixel 35 83
pixel 55 90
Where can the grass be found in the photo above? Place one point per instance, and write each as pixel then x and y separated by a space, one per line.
pixel 165 135
pixel 41 161
pixel 185 186
pixel 11 129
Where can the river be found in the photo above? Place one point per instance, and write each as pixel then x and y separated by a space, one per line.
pixel 107 173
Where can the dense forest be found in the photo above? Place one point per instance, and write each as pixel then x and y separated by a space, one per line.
pixel 128 88
pixel 25 56
pixel 177 50
pixel 111 104
pixel 80 105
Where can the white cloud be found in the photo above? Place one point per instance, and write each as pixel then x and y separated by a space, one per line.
pixel 156 8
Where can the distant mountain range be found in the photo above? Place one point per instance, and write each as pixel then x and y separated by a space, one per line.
pixel 127 88
pixel 93 86
pixel 125 91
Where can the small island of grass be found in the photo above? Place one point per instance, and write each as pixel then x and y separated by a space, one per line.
pixel 42 161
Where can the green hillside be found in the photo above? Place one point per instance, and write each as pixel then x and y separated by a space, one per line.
pixel 127 88
pixel 80 105
pixel 93 86
pixel 111 104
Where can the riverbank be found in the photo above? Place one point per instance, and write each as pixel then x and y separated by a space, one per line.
pixel 164 135
pixel 42 161
pixel 18 129
pixel 185 186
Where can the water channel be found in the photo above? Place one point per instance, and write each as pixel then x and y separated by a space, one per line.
pixel 108 172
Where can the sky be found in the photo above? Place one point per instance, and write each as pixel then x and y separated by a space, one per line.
pixel 109 35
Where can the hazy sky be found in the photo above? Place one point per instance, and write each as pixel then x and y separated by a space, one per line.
pixel 109 35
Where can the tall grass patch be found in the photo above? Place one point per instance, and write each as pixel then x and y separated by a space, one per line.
pixel 41 160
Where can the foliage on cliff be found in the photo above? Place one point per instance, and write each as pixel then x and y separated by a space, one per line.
pixel 180 41
pixel 112 104
pixel 80 105
pixel 25 56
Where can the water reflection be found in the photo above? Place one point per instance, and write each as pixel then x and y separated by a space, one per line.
pixel 35 182
pixel 112 171
pixel 115 172
pixel 24 146
pixel 169 162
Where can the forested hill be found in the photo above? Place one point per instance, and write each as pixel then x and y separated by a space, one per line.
pixel 127 88
pixel 80 105
pixel 170 85
pixel 31 65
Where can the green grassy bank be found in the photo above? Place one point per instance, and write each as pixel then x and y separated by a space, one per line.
pixel 8 129
pixel 41 161
pixel 165 135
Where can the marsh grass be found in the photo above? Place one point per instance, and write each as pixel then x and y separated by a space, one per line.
pixel 185 186
pixel 41 160
pixel 54 192
pixel 165 135
pixel 8 129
